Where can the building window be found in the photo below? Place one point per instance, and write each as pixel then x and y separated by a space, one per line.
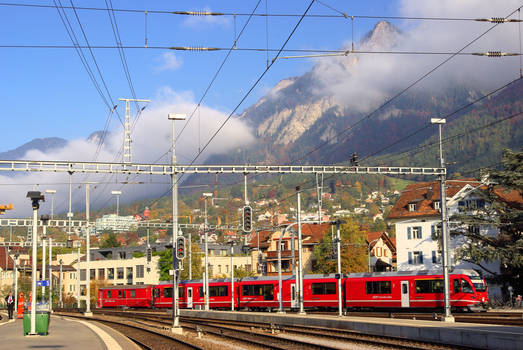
pixel 101 274
pixel 71 275
pixel 110 273
pixel 436 257
pixel 92 274
pixel 119 272
pixel 415 258
pixel 414 232
pixel 129 273
pixel 226 268
pixel 219 268
pixel 71 287
pixel 82 275
pixel 83 290
pixel 139 271
pixel 437 205
pixel 412 206
pixel 473 229
pixel 282 246
pixel 435 231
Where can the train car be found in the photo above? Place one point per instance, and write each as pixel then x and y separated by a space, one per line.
pixel 260 293
pixel 320 291
pixel 162 295
pixel 414 289
pixel 138 296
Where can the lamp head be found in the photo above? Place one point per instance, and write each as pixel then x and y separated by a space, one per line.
pixel 176 116
pixel 35 197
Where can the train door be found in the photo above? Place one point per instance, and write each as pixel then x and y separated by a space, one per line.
pixel 294 299
pixel 405 301
pixel 189 297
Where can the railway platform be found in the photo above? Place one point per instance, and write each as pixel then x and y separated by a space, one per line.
pixel 481 336
pixel 64 333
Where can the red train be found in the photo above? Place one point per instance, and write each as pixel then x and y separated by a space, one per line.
pixel 386 290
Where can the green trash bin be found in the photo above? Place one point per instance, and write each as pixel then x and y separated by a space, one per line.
pixel 42 322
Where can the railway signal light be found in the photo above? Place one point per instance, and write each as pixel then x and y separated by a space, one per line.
pixel 247 219
pixel 180 248
pixel 149 255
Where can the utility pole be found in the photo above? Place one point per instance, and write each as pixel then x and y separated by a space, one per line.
pixel 319 194
pixel 88 253
pixel 444 228
pixel 338 258
pixel 15 271
pixel 60 301
pixel 300 266
pixel 206 279
pixel 232 277
pixel 127 128
pixel 50 274
pixel 78 278
pixel 174 180
pixel 190 255
pixel 70 213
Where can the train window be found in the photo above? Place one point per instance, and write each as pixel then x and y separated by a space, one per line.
pixel 133 293
pixel 456 286
pixel 466 287
pixel 218 291
pixel 324 288
pixel 265 290
pixel 109 294
pixel 180 292
pixel 429 286
pixel 168 293
pixel 478 284
pixel 200 292
pixel 120 294
pixel 378 287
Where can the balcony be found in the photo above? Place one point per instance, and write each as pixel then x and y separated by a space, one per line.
pixel 273 254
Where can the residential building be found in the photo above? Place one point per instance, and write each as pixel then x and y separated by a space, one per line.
pixel 382 251
pixel 417 219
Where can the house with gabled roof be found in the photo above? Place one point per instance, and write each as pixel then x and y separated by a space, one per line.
pixel 417 220
pixel 382 251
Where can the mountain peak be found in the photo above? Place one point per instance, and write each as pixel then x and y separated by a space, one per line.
pixel 384 34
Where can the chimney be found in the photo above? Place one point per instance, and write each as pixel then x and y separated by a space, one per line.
pixel 430 193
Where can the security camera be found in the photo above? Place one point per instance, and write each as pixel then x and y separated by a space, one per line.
pixel 36 197
pixel 45 219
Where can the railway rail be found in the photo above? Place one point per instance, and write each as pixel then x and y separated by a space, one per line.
pixel 277 336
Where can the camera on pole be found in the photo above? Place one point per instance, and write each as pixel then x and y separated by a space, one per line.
pixel 247 219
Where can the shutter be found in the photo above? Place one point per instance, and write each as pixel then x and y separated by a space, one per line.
pixel 420 232
pixel 421 258
pixel 409 233
pixel 434 257
pixel 410 258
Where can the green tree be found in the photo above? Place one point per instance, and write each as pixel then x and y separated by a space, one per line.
pixel 110 241
pixel 353 250
pixel 241 272
pixel 504 210
pixel 165 264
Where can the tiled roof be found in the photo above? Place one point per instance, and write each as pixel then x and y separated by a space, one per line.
pixel 512 197
pixel 264 236
pixel 373 237
pixel 314 231
pixel 424 194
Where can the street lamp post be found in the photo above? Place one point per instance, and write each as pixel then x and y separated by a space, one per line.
pixel 444 228
pixel 35 197
pixel 50 274
pixel 45 221
pixel 88 253
pixel 206 277
pixel 52 193
pixel 117 194
pixel 15 271
pixel 174 180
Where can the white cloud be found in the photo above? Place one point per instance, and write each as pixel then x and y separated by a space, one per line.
pixel 169 62
pixel 199 21
pixel 151 140
pixel 362 82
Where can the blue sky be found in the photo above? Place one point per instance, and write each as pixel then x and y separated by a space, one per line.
pixel 47 92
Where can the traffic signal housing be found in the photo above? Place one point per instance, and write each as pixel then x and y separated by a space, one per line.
pixel 247 219
pixel 180 248
pixel 149 255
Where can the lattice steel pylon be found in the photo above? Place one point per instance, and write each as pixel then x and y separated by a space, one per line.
pixel 127 151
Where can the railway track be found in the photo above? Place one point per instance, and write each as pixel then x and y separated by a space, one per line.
pixel 277 337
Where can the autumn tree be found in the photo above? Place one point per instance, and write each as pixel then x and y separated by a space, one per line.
pixel 353 250
pixel 165 264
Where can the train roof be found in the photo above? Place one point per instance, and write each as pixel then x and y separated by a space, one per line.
pixel 133 286
pixel 468 272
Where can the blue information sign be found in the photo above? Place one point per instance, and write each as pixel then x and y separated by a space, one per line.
pixel 42 283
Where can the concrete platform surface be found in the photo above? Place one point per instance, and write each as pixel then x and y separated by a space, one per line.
pixel 460 334
pixel 64 333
